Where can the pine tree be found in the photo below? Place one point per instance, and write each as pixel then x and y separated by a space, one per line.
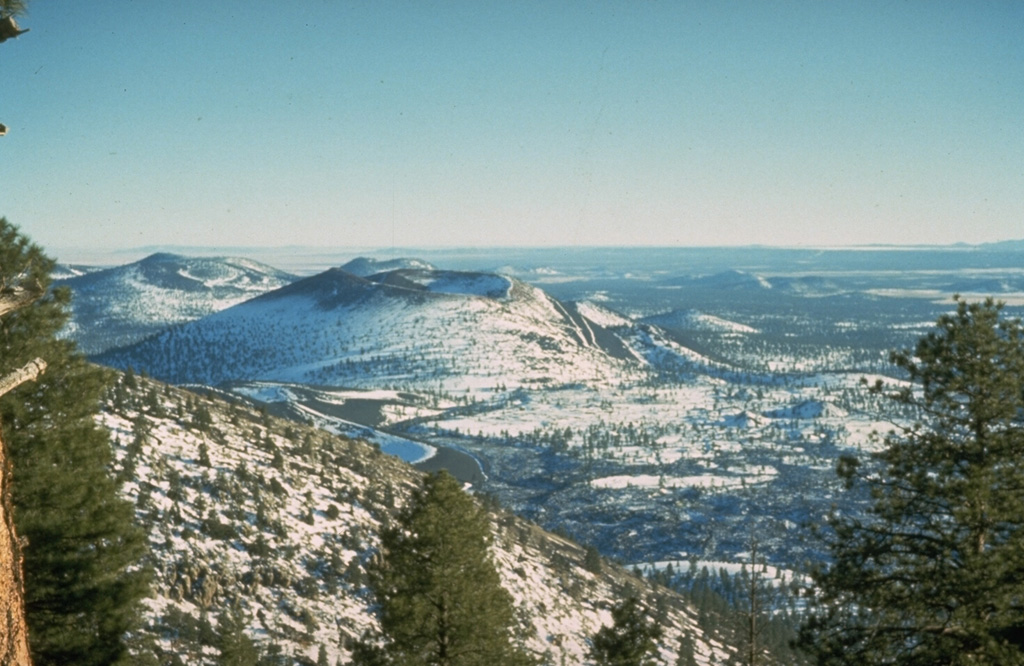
pixel 441 599
pixel 236 648
pixel 592 560
pixel 82 576
pixel 686 653
pixel 630 641
pixel 934 573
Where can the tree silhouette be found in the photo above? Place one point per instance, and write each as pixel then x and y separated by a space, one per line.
pixel 934 573
pixel 630 641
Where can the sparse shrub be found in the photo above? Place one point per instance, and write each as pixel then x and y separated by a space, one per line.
pixel 305 616
pixel 204 455
pixel 259 547
pixel 215 529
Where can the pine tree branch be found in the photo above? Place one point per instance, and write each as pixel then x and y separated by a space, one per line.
pixel 13 298
pixel 27 373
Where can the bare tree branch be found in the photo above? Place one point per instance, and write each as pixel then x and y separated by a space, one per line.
pixel 27 373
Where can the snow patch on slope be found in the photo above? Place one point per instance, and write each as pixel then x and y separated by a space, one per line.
pixel 602 316
pixel 698 321
pixel 283 520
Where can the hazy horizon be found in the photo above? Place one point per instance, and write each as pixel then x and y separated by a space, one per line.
pixel 310 258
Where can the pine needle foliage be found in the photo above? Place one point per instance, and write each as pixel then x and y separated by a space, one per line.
pixel 13 8
pixel 934 573
pixel 441 599
pixel 83 580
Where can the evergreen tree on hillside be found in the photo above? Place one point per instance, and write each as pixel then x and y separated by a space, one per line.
pixel 441 599
pixel 82 576
pixel 630 641
pixel 934 573
pixel 236 648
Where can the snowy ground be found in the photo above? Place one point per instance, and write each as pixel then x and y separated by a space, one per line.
pixel 280 521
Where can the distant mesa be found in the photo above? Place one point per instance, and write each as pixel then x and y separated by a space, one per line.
pixel 731 280
pixel 1016 245
pixel 367 266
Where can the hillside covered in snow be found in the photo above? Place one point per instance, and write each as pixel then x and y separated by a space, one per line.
pixel 123 304
pixel 276 522
pixel 409 328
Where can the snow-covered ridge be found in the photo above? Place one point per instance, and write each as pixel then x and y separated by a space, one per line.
pixel 338 329
pixel 367 266
pixel 601 315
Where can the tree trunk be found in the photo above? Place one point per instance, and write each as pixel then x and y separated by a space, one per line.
pixel 13 631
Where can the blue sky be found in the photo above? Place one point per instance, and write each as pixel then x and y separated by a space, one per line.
pixel 374 124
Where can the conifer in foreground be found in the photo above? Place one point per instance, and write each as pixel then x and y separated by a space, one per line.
pixel 934 573
pixel 82 554
pixel 441 599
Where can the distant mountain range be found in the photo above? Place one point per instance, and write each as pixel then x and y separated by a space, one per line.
pixel 114 307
